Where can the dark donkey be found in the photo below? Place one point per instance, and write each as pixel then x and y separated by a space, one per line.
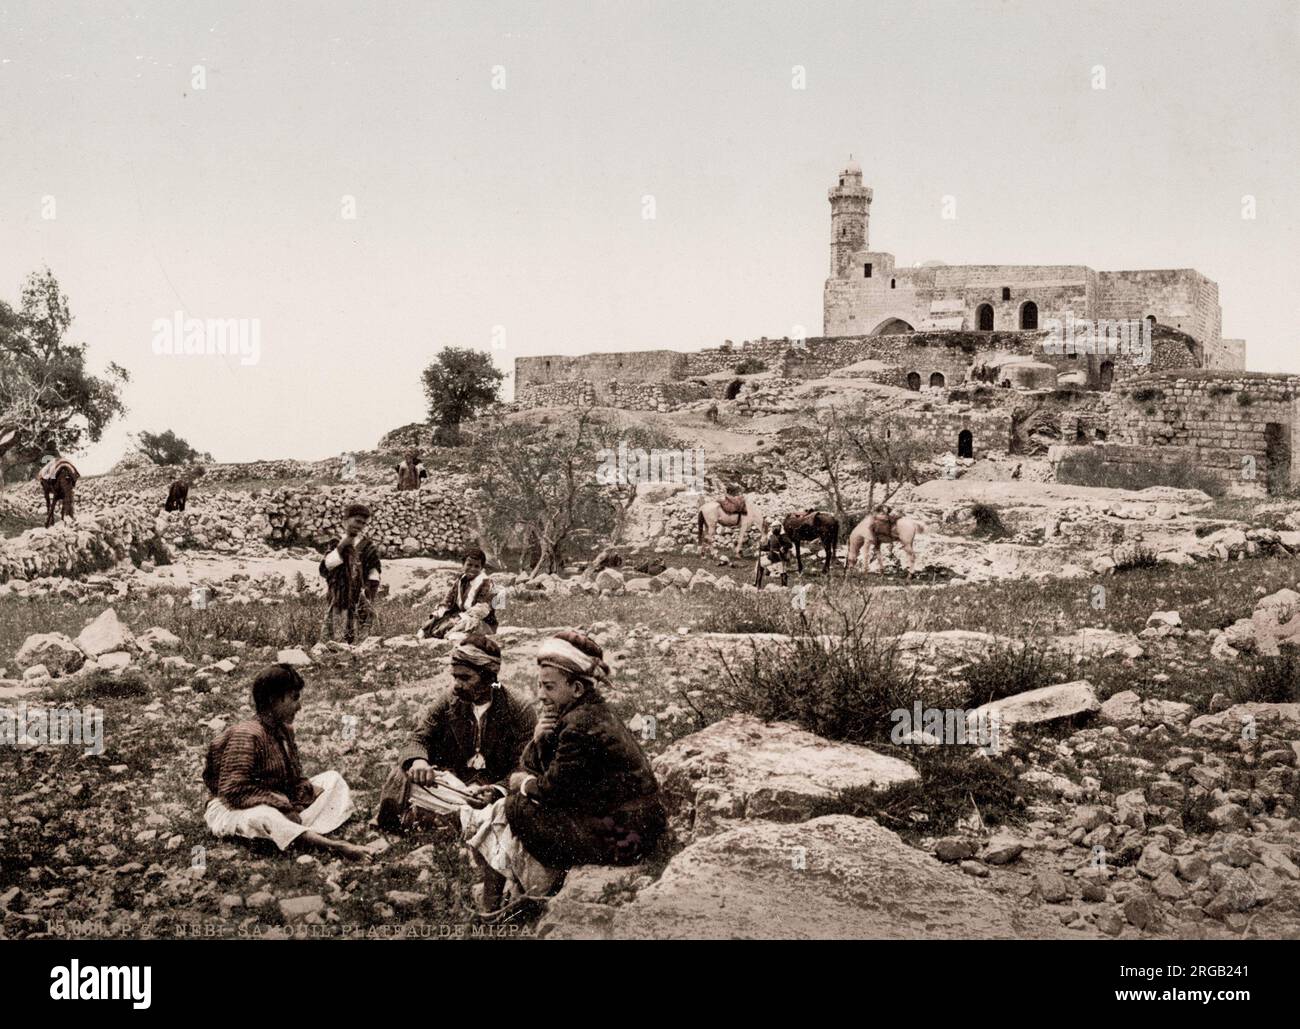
pixel 177 493
pixel 806 526
pixel 58 479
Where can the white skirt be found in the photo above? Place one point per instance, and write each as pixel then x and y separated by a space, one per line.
pixel 487 832
pixel 325 814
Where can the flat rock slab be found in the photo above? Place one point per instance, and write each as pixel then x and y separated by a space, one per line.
pixel 742 767
pixel 835 877
pixel 1047 704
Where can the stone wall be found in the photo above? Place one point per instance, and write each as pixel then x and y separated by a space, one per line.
pixel 579 393
pixel 1218 419
pixel 633 366
pixel 430 521
pixel 88 545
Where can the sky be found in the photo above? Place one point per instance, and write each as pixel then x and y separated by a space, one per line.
pixel 500 161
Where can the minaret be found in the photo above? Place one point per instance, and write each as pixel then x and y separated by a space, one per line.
pixel 850 212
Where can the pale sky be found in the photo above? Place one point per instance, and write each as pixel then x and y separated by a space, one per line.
pixel 522 207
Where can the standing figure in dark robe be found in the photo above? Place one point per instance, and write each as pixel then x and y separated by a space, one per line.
pixel 351 569
pixel 467 607
pixel 585 793
pixel 410 473
pixel 469 740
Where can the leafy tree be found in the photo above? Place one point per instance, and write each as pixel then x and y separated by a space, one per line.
pixel 459 384
pixel 49 403
pixel 167 448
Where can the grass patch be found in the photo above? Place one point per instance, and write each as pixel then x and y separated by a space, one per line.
pixel 1086 467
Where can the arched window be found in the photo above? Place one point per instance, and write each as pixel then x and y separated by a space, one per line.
pixel 984 317
pixel 1029 315
pixel 1106 374
pixel 936 379
pixel 1151 320
pixel 965 444
pixel 1006 292
pixel 891 283
pixel 913 380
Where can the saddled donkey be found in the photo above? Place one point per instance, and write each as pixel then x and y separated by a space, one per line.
pixel 58 479
pixel 875 531
pixel 806 526
pixel 712 514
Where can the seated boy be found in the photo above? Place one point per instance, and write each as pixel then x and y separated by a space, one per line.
pixel 256 778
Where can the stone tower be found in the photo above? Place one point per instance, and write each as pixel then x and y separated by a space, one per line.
pixel 850 212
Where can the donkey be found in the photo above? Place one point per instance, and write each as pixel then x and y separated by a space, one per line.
pixel 877 534
pixel 806 526
pixel 712 514
pixel 58 479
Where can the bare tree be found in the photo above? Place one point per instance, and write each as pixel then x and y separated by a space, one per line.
pixel 828 450
pixel 539 485
pixel 891 453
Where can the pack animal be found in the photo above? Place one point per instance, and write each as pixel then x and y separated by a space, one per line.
pixel 714 513
pixel 876 531
pixel 806 526
pixel 58 480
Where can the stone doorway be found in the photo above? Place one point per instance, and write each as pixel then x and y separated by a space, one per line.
pixel 965 444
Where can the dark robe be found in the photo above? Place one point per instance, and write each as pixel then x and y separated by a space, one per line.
pixel 445 738
pixel 177 494
pixel 595 799
pixel 348 583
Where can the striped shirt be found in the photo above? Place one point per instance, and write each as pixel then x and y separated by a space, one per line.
pixel 256 762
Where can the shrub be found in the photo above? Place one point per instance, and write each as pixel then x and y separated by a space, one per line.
pixel 1144 393
pixel 750 366
pixel 1135 555
pixel 1012 667
pixel 841 684
pixel 1244 399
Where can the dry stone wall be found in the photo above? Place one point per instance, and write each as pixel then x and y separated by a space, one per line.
pixel 429 521
pixel 77 548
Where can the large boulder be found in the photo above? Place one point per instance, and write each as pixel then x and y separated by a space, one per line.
pixel 106 633
pixel 1285 717
pixel 832 877
pixel 742 767
pixel 54 650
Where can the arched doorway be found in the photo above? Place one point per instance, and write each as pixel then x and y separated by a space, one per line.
pixel 936 379
pixel 733 389
pixel 965 444
pixel 1106 374
pixel 984 317
pixel 891 327
pixel 1029 315
pixel 913 380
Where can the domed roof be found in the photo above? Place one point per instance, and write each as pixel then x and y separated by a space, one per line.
pixel 852 168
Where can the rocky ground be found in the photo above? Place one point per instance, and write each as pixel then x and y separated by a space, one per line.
pixel 1138 650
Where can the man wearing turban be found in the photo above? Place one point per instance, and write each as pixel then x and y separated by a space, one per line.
pixel 467 743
